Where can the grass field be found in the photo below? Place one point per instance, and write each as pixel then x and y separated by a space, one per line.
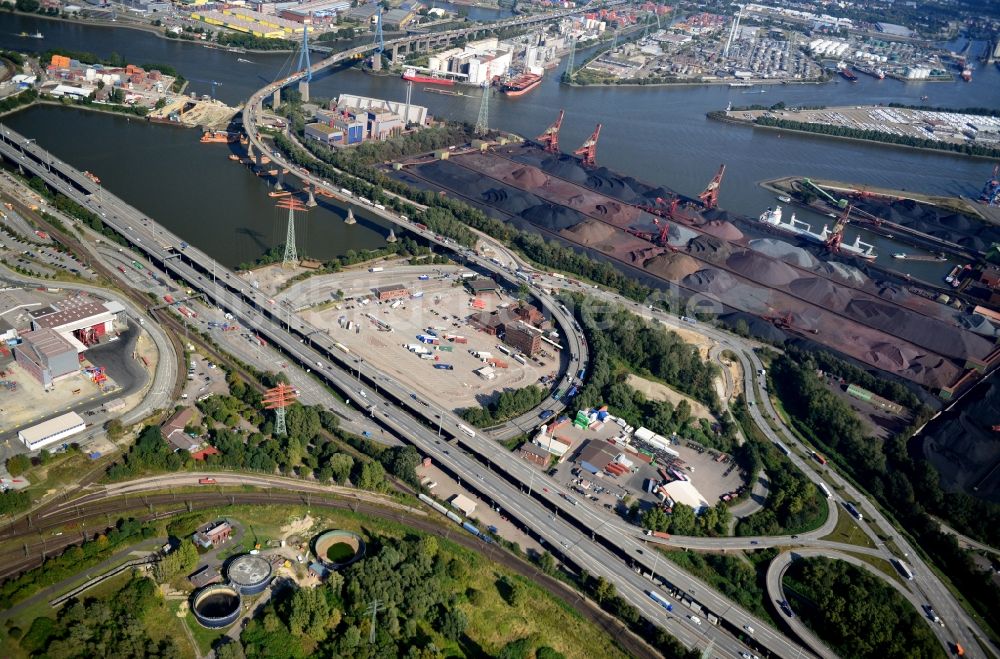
pixel 848 530
pixel 339 552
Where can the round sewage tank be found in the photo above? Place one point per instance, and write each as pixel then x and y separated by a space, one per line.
pixel 249 574
pixel 337 549
pixel 217 606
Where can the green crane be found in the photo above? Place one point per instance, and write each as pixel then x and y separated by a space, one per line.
pixel 839 203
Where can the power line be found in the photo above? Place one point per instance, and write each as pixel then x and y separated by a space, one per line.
pixel 373 610
pixel 483 122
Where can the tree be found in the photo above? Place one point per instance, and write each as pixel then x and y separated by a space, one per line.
pixel 655 519
pixel 603 590
pixel 453 623
pixel 547 563
pixel 181 560
pixel 114 428
pixel 682 520
pixel 229 649
pixel 340 465
pixel 160 103
pixel 18 464
pixel 28 6
pixel 371 476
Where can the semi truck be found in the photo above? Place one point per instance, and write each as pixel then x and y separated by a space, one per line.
pixel 658 534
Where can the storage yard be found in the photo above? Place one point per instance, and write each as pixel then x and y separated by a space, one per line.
pixel 946 127
pixel 778 287
pixel 452 364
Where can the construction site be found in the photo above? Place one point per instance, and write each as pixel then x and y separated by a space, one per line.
pixel 824 293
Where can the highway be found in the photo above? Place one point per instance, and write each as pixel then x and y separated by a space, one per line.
pixel 599 548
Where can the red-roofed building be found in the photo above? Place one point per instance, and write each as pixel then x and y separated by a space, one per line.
pixel 205 452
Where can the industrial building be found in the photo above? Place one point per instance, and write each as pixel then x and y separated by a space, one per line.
pixel 479 62
pixel 481 286
pixel 82 318
pixel 353 119
pixel 534 454
pixel 252 22
pixel 391 292
pixel 524 337
pixel 319 12
pixel 212 534
pixel 414 114
pixel 47 356
pixel 52 431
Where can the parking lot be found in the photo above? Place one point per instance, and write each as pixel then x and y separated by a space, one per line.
pixel 443 307
pixel 206 379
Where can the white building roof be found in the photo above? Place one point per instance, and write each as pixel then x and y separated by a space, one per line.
pixel 463 503
pixel 51 431
pixel 686 493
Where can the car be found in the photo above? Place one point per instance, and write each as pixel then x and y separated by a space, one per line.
pixel 754 542
pixel 748 629
pixel 695 619
pixel 545 489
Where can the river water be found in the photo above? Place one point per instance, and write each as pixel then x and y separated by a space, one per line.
pixel 660 135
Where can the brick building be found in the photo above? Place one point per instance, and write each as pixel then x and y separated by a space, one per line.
pixel 391 292
pixel 524 337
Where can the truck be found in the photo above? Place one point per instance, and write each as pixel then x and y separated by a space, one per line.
pixel 206 481
pixel 662 601
pixel 818 458
pixel 467 430
pixel 375 269
pixel 341 347
pixel 169 299
pixel 572 392
pixel 445 367
pixel 855 513
pixel 520 360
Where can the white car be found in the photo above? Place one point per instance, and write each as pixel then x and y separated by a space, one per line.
pixel 748 629
pixel 695 619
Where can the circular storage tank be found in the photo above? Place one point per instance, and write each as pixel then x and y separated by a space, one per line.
pixel 249 574
pixel 217 606
pixel 337 549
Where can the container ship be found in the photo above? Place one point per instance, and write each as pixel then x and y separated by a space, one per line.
pixel 772 218
pixel 411 74
pixel 846 74
pixel 522 84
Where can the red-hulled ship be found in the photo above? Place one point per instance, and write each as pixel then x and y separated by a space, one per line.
pixel 522 84
pixel 411 74
pixel 847 74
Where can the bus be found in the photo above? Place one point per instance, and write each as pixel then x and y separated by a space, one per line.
pixel 467 430
pixel 903 568
pixel 662 601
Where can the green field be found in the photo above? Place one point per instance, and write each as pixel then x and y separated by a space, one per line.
pixel 339 552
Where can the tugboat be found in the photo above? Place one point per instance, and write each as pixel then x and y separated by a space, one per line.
pixel 899 255
pixel 785 199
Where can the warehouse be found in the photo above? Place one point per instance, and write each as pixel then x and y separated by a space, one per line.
pixel 52 431
pixel 415 114
pixel 464 504
pixel 47 356
pixel 78 319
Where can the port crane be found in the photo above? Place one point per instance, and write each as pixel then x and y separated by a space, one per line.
pixel 837 235
pixel 660 238
pixel 588 151
pixel 550 138
pixel 710 197
pixel 839 203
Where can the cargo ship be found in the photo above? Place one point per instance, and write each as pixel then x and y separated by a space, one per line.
pixel 875 73
pixel 411 74
pixel 522 84
pixel 794 226
pixel 846 74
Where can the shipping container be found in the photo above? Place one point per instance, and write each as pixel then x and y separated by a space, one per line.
pixel 470 528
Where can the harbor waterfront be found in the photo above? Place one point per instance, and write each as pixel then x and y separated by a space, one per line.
pixel 660 135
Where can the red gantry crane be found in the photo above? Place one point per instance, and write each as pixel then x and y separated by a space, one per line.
pixel 710 197
pixel 661 238
pixel 550 138
pixel 588 151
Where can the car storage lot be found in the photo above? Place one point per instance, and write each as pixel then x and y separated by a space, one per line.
pixel 443 308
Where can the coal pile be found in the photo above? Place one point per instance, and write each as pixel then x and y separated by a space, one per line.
pixel 821 292
pixel 709 248
pixel 673 266
pixel 756 267
pixel 779 249
pixel 552 217
pixel 722 229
